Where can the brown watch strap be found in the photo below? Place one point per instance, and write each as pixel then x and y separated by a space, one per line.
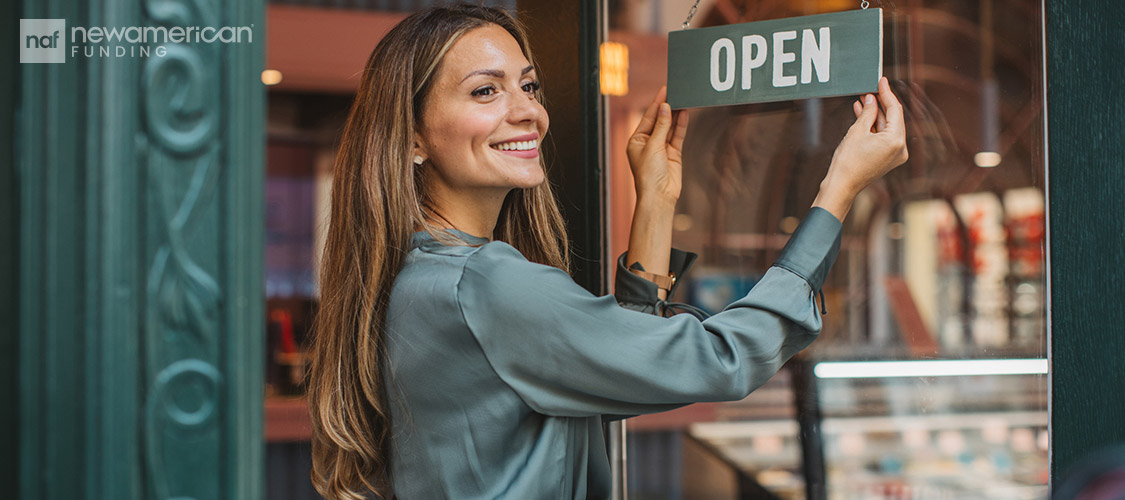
pixel 662 282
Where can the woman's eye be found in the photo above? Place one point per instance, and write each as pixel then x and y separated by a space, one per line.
pixel 530 87
pixel 484 91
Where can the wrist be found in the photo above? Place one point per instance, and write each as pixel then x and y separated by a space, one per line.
pixel 837 181
pixel 658 200
pixel 835 197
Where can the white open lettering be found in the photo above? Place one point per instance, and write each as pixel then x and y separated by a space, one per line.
pixel 716 51
pixel 815 53
pixel 780 57
pixel 816 56
pixel 756 45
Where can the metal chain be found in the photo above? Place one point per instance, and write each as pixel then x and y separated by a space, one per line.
pixel 695 7
pixel 690 14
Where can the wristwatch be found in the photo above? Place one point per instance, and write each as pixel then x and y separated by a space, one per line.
pixel 662 282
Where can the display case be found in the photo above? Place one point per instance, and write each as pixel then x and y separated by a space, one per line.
pixel 901 437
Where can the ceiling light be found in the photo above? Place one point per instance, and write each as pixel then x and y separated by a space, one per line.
pixel 271 77
pixel 986 159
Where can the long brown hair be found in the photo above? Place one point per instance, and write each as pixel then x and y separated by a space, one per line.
pixel 378 201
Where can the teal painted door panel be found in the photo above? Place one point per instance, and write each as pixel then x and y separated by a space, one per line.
pixel 1086 195
pixel 141 183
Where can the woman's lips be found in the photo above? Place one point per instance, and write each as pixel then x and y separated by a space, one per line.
pixel 530 153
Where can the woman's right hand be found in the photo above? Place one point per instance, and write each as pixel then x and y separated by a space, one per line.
pixel 655 151
pixel 874 145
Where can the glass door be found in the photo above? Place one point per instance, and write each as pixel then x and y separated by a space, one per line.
pixel 941 269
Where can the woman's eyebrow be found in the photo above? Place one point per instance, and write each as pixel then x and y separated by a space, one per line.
pixel 490 72
pixel 495 72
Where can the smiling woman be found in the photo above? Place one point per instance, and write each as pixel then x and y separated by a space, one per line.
pixel 454 357
pixel 415 153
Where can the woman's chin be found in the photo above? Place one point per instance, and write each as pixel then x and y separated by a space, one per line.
pixel 529 179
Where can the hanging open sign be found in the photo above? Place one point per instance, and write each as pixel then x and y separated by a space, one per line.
pixel 777 60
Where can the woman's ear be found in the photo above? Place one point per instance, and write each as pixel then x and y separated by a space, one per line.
pixel 419 152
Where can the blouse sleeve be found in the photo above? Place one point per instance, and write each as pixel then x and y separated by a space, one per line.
pixel 567 352
pixel 639 294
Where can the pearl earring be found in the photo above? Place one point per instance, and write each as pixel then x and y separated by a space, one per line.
pixel 418 159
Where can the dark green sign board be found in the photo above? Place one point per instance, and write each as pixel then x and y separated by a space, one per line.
pixel 777 60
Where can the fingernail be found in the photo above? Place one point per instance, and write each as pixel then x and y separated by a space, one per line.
pixel 665 108
pixel 869 99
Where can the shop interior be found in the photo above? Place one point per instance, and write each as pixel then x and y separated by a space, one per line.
pixel 941 268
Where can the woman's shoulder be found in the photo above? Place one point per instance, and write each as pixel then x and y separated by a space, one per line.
pixel 495 260
pixel 499 265
pixel 485 265
pixel 500 259
pixel 438 274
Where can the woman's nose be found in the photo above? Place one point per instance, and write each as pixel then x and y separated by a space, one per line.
pixel 524 109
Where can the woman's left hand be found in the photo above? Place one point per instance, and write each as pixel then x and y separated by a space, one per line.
pixel 656 151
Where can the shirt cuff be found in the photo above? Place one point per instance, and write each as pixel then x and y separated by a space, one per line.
pixel 638 293
pixel 813 247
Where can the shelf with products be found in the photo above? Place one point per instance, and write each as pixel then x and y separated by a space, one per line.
pixel 961 277
pixel 849 333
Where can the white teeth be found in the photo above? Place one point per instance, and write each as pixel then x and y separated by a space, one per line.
pixel 517 145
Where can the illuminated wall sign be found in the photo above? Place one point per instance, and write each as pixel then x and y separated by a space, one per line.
pixel 778 60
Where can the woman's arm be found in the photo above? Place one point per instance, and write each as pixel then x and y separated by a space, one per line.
pixel 655 156
pixel 875 144
pixel 567 352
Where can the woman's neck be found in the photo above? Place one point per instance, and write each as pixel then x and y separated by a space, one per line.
pixel 471 212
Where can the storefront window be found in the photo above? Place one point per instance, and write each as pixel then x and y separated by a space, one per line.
pixel 941 267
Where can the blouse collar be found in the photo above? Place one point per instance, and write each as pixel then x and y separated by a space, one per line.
pixel 422 238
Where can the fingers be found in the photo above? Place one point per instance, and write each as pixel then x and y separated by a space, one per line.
pixel 868 114
pixel 663 124
pixel 895 120
pixel 680 130
pixel 890 103
pixel 647 120
pixel 889 112
pixel 880 119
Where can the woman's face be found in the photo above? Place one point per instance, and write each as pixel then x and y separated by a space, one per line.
pixel 481 123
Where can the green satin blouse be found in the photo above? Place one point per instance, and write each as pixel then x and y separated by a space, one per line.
pixel 500 370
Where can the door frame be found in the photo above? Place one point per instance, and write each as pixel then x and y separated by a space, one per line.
pixel 1085 124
